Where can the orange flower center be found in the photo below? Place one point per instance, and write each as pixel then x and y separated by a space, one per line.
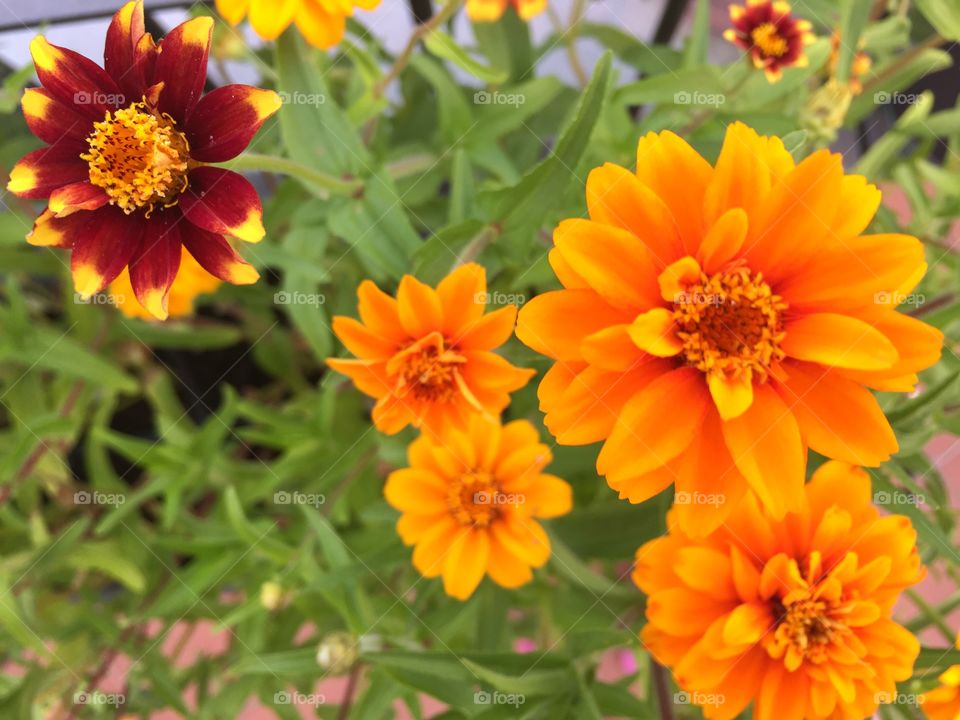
pixel 768 39
pixel 430 373
pixel 473 499
pixel 807 627
pixel 138 158
pixel 731 323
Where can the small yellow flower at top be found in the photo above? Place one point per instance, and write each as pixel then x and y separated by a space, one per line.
pixel 470 500
pixel 771 35
pixel 492 10
pixel 426 355
pixel 191 281
pixel 793 614
pixel 321 22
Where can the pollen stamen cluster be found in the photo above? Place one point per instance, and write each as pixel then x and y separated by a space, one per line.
pixel 731 323
pixel 472 499
pixel 139 158
pixel 431 374
pixel 767 38
pixel 806 626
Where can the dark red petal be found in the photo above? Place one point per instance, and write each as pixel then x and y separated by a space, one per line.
pixel 69 199
pixel 42 171
pixel 154 267
pixel 75 80
pixel 216 256
pixel 225 121
pixel 50 231
pixel 224 203
pixel 105 249
pixel 119 52
pixel 182 66
pixel 52 121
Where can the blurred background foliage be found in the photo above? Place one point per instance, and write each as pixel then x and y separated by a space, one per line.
pixel 198 423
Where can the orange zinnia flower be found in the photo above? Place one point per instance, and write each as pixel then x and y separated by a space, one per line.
pixel 771 35
pixel 469 499
pixel 127 172
pixel 492 10
pixel 192 280
pixel 943 703
pixel 717 322
pixel 426 356
pixel 792 614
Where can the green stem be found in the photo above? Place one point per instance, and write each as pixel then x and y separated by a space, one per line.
pixel 284 166
pixel 932 615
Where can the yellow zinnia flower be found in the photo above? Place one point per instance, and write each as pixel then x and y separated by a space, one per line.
pixel 469 499
pixel 791 614
pixel 943 703
pixel 716 322
pixel 426 355
pixel 492 10
pixel 322 22
pixel 192 280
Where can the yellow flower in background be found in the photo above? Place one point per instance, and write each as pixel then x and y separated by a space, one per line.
pixel 191 282
pixel 943 703
pixel 469 501
pixel 492 10
pixel 791 614
pixel 321 22
pixel 426 355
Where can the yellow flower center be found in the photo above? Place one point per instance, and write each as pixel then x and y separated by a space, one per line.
pixel 806 626
pixel 473 499
pixel 431 375
pixel 138 158
pixel 768 39
pixel 731 323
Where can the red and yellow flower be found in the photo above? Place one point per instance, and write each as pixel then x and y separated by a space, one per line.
pixel 792 614
pixel 492 10
pixel 191 282
pixel 716 322
pixel 126 170
pixel 469 503
pixel 426 355
pixel 943 702
pixel 321 22
pixel 770 34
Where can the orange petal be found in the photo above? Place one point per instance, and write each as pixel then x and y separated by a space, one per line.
pixel 548 496
pixel 223 202
pixel 612 349
pixel 676 278
pixel 490 331
pixel 462 296
pixel 732 396
pixel 655 332
pixel 226 120
pixel 217 256
pixel 839 341
pixel 555 323
pixel 723 240
pixel 419 307
pixel 360 341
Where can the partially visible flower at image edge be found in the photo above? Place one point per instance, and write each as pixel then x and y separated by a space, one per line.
pixel 715 323
pixel 126 171
pixel 321 22
pixel 469 503
pixel 792 614
pixel 772 37
pixel 191 282
pixel 426 355
pixel 943 702
pixel 492 10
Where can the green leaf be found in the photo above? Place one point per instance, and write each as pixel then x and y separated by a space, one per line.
pixel 698 42
pixel 506 43
pixel 109 559
pixel 446 48
pixel 854 18
pixel 300 298
pixel 944 15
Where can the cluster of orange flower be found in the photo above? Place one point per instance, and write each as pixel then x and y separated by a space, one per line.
pixel 714 324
